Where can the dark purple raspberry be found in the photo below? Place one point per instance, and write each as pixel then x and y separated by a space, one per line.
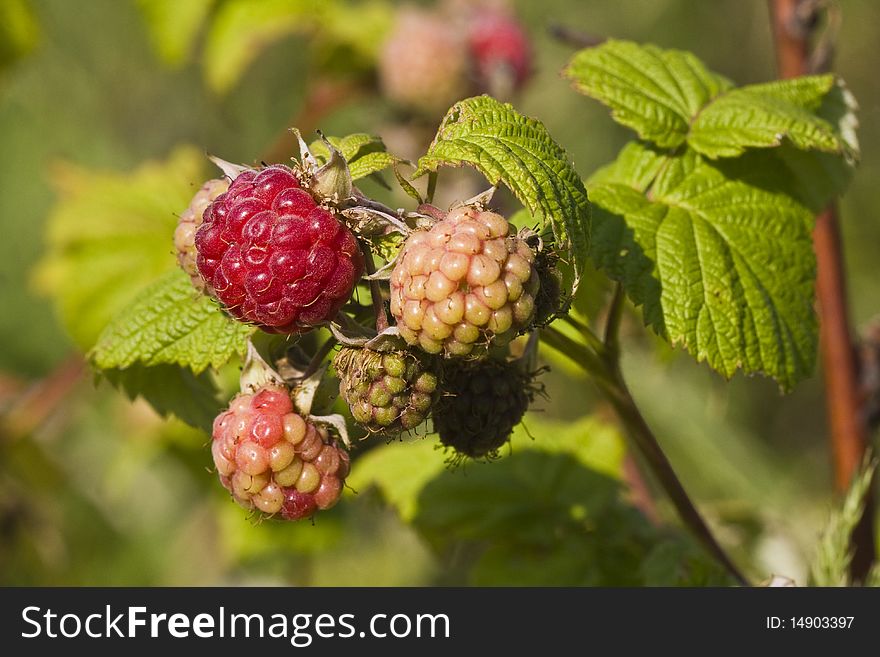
pixel 275 461
pixel 273 257
pixel 482 401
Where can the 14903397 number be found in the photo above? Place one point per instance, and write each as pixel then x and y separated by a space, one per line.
pixel 822 622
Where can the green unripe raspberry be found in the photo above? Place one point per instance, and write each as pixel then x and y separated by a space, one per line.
pixel 387 392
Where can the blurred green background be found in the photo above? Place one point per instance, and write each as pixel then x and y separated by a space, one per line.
pixel 100 491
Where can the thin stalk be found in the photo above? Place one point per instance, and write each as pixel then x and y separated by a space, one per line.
pixel 632 468
pixel 582 355
pixel 319 356
pixel 794 22
pixel 593 341
pixel 605 370
pixel 612 324
pixel 619 396
pixel 375 291
pixel 432 186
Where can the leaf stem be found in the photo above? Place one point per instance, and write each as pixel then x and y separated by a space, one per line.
pixel 375 291
pixel 612 324
pixel 604 366
pixel 432 186
pixel 319 356
pixel 593 340
pixel 620 397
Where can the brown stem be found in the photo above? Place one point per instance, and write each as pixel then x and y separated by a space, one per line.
pixel 639 489
pixel 793 23
pixel 612 324
pixel 573 37
pixel 319 356
pixel 43 398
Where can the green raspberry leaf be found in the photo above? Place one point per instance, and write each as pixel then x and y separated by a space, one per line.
pixel 365 154
pixel 722 266
pixel 669 98
pixel 110 234
pixel 171 390
pixel 653 91
pixel 763 115
pixel 636 166
pixel 169 322
pixel 510 148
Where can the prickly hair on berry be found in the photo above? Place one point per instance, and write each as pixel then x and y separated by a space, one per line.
pixel 273 256
pixel 481 402
pixel 387 392
pixel 465 284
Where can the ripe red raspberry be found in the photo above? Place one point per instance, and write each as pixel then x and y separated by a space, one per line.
pixel 273 460
pixel 482 401
pixel 463 284
pixel 188 224
pixel 273 256
pixel 424 63
pixel 499 46
pixel 387 392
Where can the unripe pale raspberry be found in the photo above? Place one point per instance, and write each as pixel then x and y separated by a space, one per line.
pixel 482 401
pixel 273 257
pixel 273 460
pixel 387 392
pixel 424 63
pixel 464 284
pixel 189 223
pixel 499 46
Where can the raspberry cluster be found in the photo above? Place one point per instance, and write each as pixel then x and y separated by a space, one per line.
pixel 273 460
pixel 464 284
pixel 272 247
pixel 274 257
pixel 389 392
pixel 482 402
